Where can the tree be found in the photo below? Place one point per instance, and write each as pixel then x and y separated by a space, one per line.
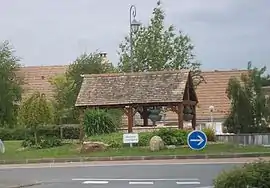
pixel 62 94
pixel 67 86
pixel 158 48
pixel 10 84
pixel 34 112
pixel 250 109
pixel 266 80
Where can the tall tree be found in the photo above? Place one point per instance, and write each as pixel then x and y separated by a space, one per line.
pixel 68 86
pixel 34 112
pixel 10 84
pixel 250 109
pixel 266 80
pixel 62 95
pixel 158 48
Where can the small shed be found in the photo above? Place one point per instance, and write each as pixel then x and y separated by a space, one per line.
pixel 134 92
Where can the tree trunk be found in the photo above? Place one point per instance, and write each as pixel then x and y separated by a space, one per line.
pixel 36 138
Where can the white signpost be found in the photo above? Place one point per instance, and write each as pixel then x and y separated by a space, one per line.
pixel 131 138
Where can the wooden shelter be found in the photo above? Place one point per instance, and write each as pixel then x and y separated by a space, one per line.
pixel 134 92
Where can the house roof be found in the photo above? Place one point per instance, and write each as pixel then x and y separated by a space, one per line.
pixel 133 88
pixel 36 78
pixel 213 93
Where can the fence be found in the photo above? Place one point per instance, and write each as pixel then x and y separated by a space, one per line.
pixel 245 139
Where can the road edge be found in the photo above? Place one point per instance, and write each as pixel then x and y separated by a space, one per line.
pixel 25 185
pixel 136 158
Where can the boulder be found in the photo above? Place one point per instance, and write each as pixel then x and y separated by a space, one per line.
pixel 93 146
pixel 156 143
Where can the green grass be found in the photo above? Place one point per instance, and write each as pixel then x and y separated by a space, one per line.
pixel 13 151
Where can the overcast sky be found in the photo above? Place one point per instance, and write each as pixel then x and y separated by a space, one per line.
pixel 227 33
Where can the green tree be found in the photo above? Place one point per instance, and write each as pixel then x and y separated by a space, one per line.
pixel 158 48
pixel 68 86
pixel 266 80
pixel 10 84
pixel 250 109
pixel 34 112
pixel 63 111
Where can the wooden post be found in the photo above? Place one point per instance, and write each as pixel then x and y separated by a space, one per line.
pixel 145 117
pixel 180 108
pixel 81 118
pixel 129 113
pixel 194 118
pixel 130 119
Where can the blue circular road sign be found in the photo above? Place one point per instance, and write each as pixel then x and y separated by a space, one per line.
pixel 197 140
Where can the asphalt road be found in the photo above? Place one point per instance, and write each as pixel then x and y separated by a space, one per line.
pixel 155 175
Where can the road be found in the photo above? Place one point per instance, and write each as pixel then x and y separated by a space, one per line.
pixel 154 174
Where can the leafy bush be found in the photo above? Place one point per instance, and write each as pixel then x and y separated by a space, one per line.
pixel 43 142
pixel 210 133
pixel 49 142
pixel 115 140
pixel 250 175
pixel 173 136
pixel 13 134
pixel 69 132
pixel 98 122
pixel 144 138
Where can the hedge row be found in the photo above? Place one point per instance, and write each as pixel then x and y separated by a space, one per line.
pixel 67 132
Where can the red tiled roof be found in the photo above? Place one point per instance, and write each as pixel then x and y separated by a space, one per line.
pixel 213 92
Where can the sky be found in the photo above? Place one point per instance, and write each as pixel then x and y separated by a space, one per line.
pixel 226 33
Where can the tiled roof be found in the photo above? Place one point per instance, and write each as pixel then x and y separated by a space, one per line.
pixel 133 88
pixel 36 78
pixel 213 93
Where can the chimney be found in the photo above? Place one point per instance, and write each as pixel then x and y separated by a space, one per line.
pixel 103 55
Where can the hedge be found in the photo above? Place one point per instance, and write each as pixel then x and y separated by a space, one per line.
pixel 253 175
pixel 68 132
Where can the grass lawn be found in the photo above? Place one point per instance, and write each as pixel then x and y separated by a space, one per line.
pixel 13 151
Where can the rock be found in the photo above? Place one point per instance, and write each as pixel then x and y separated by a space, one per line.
pixel 156 143
pixel 93 146
pixel 171 147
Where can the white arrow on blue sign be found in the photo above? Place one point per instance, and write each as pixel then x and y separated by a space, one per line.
pixel 197 140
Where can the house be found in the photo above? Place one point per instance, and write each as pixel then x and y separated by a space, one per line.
pixel 213 102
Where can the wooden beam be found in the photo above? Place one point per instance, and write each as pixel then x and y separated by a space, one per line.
pixel 145 116
pixel 193 122
pixel 81 119
pixel 191 103
pixel 130 118
pixel 180 108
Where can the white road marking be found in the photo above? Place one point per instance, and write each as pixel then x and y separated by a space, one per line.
pixel 140 183
pixel 95 182
pixel 175 179
pixel 188 183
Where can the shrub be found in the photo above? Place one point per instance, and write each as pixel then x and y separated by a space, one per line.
pixel 254 174
pixel 69 132
pixel 210 133
pixel 115 140
pixel 49 142
pixel 173 136
pixel 144 138
pixel 43 142
pixel 98 122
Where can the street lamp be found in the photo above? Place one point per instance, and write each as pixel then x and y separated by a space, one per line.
pixel 134 27
pixel 211 109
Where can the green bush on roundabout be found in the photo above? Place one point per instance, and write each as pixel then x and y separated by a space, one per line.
pixel 250 175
